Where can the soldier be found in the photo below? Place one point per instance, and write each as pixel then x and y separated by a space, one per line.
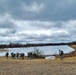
pixel 17 55
pixel 61 54
pixel 22 55
pixel 7 54
pixel 13 55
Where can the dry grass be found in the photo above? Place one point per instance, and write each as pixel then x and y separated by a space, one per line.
pixel 38 67
pixel 73 46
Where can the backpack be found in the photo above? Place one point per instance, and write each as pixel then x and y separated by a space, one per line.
pixel 62 53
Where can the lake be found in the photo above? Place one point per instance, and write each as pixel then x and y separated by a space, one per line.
pixel 48 50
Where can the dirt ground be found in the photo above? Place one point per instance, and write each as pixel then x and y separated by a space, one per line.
pixel 38 66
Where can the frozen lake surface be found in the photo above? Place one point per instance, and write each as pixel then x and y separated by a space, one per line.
pixel 48 50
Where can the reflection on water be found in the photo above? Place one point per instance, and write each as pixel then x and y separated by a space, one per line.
pixel 46 49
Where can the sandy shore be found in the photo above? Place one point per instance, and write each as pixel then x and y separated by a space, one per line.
pixel 37 66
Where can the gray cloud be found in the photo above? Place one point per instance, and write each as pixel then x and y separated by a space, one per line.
pixel 7 25
pixel 37 31
pixel 37 20
pixel 52 9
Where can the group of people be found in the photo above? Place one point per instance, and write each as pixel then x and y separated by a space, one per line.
pixel 15 55
pixel 22 55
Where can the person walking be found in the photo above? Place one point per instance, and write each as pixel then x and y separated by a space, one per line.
pixel 7 54
pixel 61 54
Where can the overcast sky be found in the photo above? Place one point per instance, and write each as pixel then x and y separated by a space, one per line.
pixel 37 21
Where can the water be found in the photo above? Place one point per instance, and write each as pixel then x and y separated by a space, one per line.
pixel 48 50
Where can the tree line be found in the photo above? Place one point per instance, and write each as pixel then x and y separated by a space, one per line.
pixel 17 45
